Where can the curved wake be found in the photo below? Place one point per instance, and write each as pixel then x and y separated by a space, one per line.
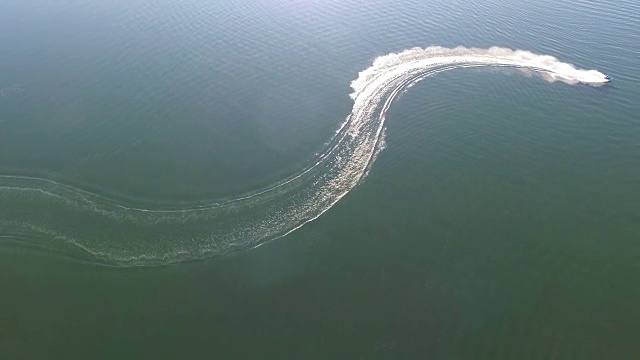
pixel 127 236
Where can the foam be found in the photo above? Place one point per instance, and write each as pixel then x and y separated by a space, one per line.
pixel 131 236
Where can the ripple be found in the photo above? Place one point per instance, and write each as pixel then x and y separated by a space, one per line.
pixel 124 235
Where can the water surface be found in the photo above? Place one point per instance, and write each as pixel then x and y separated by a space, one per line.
pixel 500 220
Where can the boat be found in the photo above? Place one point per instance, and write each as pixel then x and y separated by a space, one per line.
pixel 607 78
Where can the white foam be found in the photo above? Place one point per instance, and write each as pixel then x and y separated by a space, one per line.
pixel 252 219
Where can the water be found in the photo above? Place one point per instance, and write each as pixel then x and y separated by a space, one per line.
pixel 499 220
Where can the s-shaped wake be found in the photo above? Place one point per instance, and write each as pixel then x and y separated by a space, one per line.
pixel 55 215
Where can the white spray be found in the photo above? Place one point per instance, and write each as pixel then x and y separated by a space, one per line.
pixel 133 236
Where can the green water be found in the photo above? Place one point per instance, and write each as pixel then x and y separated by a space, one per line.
pixel 500 221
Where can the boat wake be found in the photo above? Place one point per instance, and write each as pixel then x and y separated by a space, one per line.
pixel 120 235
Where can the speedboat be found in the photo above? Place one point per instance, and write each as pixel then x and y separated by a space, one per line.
pixel 607 78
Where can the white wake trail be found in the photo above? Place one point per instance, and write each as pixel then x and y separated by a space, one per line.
pixel 130 236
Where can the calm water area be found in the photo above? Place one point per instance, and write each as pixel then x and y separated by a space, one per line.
pixel 145 146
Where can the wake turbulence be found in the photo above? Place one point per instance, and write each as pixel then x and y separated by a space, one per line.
pixel 130 236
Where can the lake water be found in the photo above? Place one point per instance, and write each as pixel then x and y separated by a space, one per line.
pixel 193 180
